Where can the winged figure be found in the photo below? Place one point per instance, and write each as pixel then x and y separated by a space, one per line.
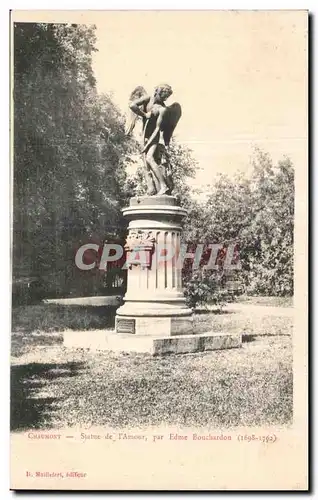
pixel 158 124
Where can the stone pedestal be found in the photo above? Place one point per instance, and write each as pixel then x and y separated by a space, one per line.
pixel 154 318
pixel 154 303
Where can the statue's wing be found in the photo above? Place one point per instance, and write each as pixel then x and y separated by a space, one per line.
pixel 132 117
pixel 171 117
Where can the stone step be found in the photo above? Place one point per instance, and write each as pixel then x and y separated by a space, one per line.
pixel 152 344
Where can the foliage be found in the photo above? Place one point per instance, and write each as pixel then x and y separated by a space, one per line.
pixel 269 268
pixel 257 213
pixel 201 288
pixel 70 154
pixel 206 286
pixel 70 179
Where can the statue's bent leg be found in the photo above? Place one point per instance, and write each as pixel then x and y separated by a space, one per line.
pixel 163 188
pixel 152 188
pixel 164 161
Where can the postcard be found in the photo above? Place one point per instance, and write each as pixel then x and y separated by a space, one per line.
pixel 159 233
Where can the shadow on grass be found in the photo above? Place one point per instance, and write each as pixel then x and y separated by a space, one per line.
pixel 57 317
pixel 28 410
pixel 21 343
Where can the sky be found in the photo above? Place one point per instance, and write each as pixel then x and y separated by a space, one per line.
pixel 240 77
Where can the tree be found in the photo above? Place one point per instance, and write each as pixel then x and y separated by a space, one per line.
pixel 270 265
pixel 70 154
pixel 257 213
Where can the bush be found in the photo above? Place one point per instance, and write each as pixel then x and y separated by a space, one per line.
pixel 208 287
pixel 257 212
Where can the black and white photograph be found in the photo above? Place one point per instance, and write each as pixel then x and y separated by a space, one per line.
pixel 159 233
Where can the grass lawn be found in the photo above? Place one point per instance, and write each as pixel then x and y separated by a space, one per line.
pixel 56 387
pixel 268 301
pixel 56 317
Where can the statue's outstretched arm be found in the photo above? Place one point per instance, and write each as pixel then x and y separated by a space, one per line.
pixel 135 106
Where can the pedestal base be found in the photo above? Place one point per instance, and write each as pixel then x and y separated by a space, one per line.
pixel 151 344
pixel 150 325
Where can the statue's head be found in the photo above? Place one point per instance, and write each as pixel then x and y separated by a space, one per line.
pixel 137 92
pixel 163 91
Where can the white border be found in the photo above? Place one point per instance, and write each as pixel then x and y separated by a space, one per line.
pixel 4 184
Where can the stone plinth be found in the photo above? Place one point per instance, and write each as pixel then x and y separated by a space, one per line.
pixel 152 344
pixel 154 302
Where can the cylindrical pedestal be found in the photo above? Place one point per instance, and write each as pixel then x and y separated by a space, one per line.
pixel 154 302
